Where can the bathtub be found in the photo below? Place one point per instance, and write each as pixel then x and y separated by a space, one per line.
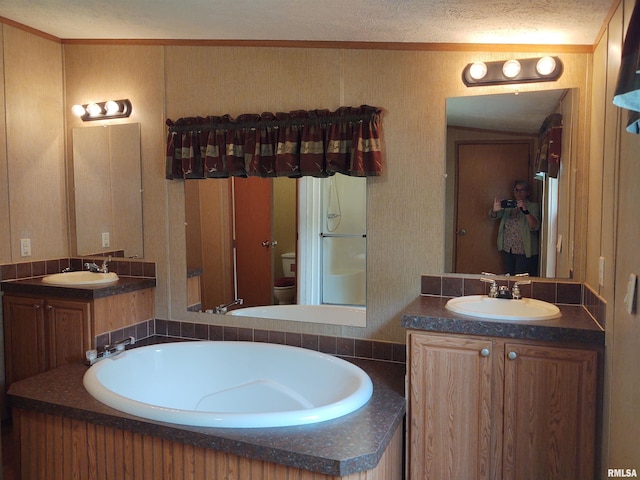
pixel 331 314
pixel 229 384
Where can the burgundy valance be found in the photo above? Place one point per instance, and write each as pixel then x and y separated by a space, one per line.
pixel 316 143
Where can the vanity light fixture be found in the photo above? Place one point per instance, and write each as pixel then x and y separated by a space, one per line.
pixel 103 110
pixel 541 69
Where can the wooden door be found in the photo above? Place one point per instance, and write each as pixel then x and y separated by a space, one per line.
pixel 68 329
pixel 549 417
pixel 484 171
pixel 450 408
pixel 24 337
pixel 252 205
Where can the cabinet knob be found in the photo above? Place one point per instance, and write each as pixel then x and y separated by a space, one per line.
pixel 36 306
pixel 49 307
pixel 512 355
pixel 484 352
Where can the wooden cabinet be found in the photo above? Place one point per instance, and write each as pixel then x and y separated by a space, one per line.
pixel 41 334
pixel 490 409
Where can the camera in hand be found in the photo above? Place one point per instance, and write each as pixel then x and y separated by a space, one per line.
pixel 508 203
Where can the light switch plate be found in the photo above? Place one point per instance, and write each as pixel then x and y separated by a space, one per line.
pixel 601 272
pixel 630 297
pixel 25 247
pixel 105 240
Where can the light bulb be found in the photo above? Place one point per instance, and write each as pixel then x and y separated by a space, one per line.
pixel 112 107
pixel 78 110
pixel 511 68
pixel 546 65
pixel 94 109
pixel 478 70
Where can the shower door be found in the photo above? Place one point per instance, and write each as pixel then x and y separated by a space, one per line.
pixel 344 240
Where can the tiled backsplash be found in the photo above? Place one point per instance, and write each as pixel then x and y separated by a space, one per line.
pixel 119 265
pixel 564 292
pixel 347 347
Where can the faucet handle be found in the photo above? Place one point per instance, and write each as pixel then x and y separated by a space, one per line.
pixel 515 290
pixel 493 287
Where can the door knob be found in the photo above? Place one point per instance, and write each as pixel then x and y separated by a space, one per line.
pixel 462 232
pixel 267 243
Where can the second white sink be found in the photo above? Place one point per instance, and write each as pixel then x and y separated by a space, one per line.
pixel 498 308
pixel 83 277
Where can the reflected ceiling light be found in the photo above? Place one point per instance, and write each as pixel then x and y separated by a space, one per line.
pixel 546 65
pixel 511 68
pixel 103 110
pixel 540 69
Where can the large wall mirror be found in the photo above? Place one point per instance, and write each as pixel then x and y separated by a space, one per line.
pixel 492 141
pixel 276 241
pixel 107 190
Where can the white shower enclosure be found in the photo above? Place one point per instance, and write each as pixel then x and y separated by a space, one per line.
pixel 332 245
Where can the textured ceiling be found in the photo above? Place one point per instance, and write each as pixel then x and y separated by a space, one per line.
pixel 556 22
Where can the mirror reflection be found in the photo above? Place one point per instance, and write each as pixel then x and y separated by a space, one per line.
pixel 492 142
pixel 276 241
pixel 107 189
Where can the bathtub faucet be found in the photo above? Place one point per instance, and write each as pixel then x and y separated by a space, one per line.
pixel 223 308
pixel 116 348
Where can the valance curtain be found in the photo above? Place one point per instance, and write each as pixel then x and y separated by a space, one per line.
pixel 550 145
pixel 627 94
pixel 316 143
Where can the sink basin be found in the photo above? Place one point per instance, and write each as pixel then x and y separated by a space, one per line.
pixel 80 278
pixel 503 309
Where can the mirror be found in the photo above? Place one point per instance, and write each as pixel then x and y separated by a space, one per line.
pixel 107 189
pixel 481 129
pixel 276 241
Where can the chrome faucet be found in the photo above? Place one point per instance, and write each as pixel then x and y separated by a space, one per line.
pixel 105 265
pixel 515 290
pixel 223 308
pixel 493 287
pixel 108 351
pixel 93 267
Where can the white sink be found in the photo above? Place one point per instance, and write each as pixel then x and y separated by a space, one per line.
pixel 80 278
pixel 503 309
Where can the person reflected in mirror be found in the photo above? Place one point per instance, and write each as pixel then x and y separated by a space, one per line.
pixel 518 231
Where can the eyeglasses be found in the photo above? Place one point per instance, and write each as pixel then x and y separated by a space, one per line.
pixel 519 190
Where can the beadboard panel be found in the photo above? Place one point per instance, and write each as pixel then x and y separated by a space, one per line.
pixel 54 447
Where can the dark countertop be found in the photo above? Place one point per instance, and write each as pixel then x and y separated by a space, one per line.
pixel 346 445
pixel 575 324
pixel 34 286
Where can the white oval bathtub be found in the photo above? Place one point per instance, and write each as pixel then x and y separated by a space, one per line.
pixel 229 384
pixel 331 314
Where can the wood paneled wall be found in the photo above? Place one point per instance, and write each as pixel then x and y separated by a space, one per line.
pixel 60 448
pixel 36 188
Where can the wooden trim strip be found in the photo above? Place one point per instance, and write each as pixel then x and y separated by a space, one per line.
pixel 29 29
pixel 407 46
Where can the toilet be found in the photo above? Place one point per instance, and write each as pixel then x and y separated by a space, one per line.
pixel 284 288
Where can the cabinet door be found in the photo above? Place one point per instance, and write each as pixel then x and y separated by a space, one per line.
pixel 68 331
pixel 450 408
pixel 24 337
pixel 549 418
